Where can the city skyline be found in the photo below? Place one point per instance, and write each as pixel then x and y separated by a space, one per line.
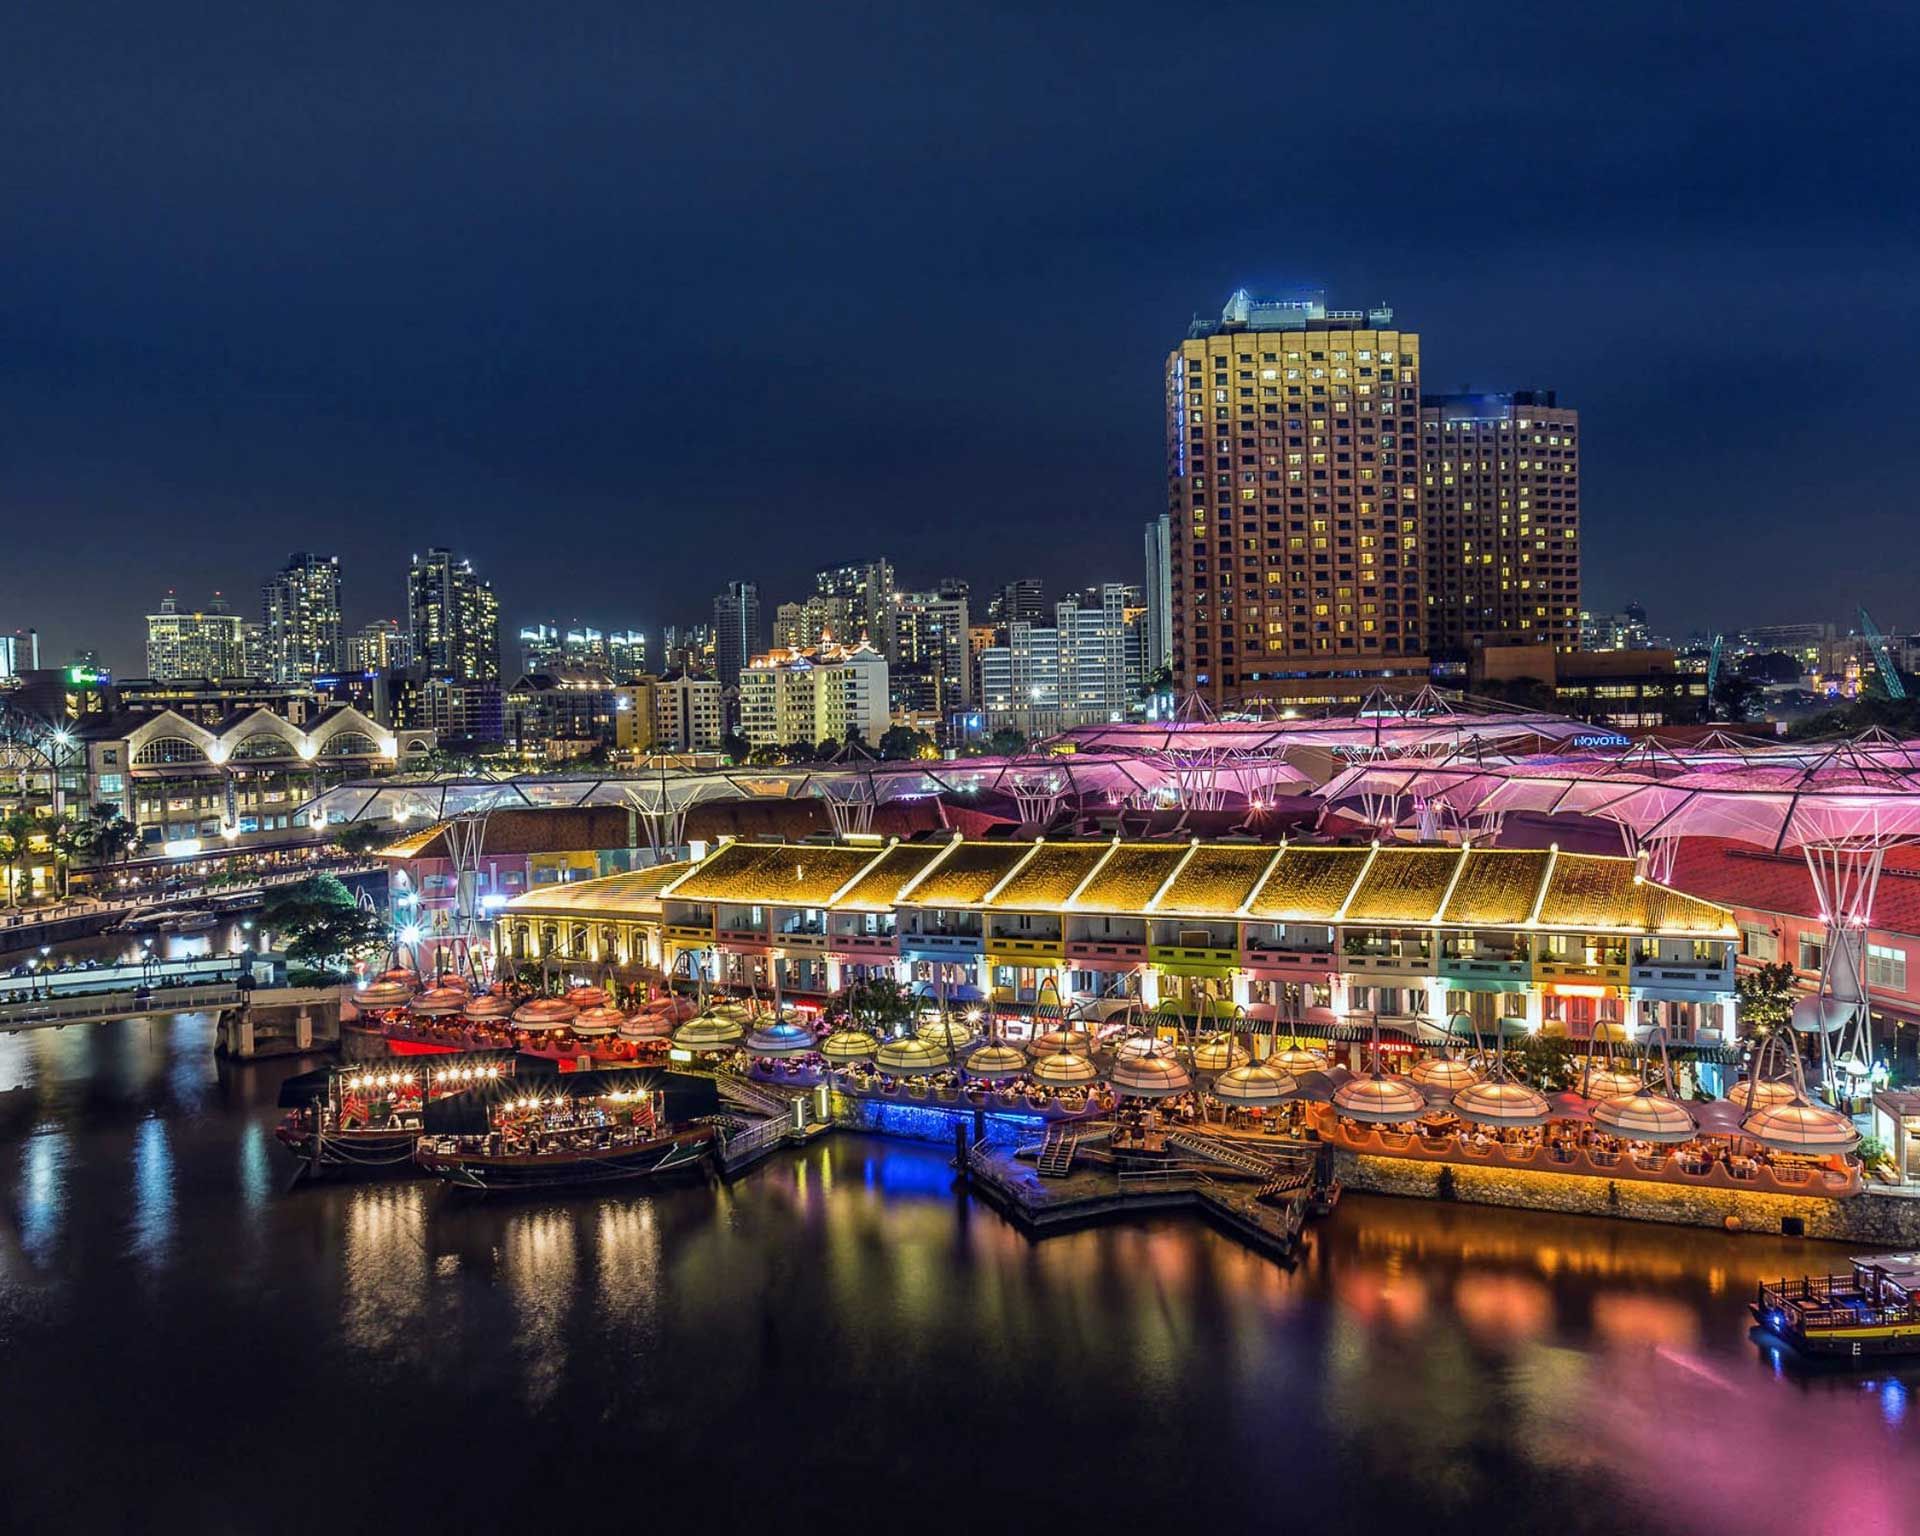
pixel 402 357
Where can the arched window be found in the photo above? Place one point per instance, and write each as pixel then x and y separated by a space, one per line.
pixel 610 944
pixel 577 942
pixel 262 744
pixel 349 744
pixel 168 749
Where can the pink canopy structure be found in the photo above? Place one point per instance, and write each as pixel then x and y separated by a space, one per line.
pixel 1841 804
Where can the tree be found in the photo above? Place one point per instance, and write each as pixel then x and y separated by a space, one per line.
pixel 737 748
pixel 66 836
pixel 879 1002
pixel 16 846
pixel 321 924
pixel 1764 997
pixel 1007 742
pixel 1732 694
pixel 357 837
pixel 106 835
pixel 903 741
pixel 1546 1061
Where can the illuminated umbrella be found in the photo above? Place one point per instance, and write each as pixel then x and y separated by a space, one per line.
pixel 400 973
pixel 1149 1077
pixel 1136 1046
pixel 946 1034
pixel 488 1005
pixel 645 1026
pixel 1645 1117
pixel 845 1045
pixel 544 1013
pixel 602 1019
pixel 1218 1053
pixel 1499 1102
pixel 1054 1042
pixel 780 1037
pixel 1761 1093
pixel 452 979
pixel 1606 1083
pixel 1379 1100
pixel 383 994
pixel 1296 1059
pixel 1065 1069
pixel 710 1031
pixel 437 1002
pixel 911 1057
pixel 1250 1085
pixel 1444 1074
pixel 1812 1129
pixel 586 997
pixel 995 1062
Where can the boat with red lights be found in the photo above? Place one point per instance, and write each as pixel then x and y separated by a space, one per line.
pixel 365 1118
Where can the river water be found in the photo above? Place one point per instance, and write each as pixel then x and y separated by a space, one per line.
pixel 187 1344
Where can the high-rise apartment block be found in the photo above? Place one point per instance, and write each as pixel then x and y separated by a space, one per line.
pixel 933 668
pixel 1081 670
pixel 210 643
pixel 865 590
pixel 300 619
pixel 454 618
pixel 736 630
pixel 1500 488
pixel 1019 602
pixel 1159 594
pixel 815 696
pixel 1294 503
pixel 382 646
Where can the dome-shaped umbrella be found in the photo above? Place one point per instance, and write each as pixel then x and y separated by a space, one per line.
pixel 710 1031
pixel 586 997
pixel 1812 1129
pixel 1134 1047
pixel 438 1002
pixel 780 1037
pixel 1054 1042
pixel 1379 1100
pixel 1760 1093
pixel 1296 1059
pixel 1253 1085
pixel 911 1057
pixel 488 1005
pixel 1219 1053
pixel 1645 1117
pixel 601 1019
pixel 1065 1069
pixel 383 994
pixel 544 1013
pixel 1498 1102
pixel 646 1026
pixel 1606 1083
pixel 401 973
pixel 948 1035
pixel 1447 1074
pixel 994 1062
pixel 1149 1077
pixel 453 979
pixel 845 1045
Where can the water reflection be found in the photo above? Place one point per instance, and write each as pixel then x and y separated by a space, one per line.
pixel 153 1193
pixel 384 1270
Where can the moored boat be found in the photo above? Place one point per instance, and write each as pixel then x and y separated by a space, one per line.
pixel 574 1131
pixel 355 1118
pixel 1871 1313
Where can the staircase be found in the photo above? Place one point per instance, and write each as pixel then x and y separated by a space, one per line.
pixel 1222 1153
pixel 754 1096
pixel 1056 1152
pixel 1290 1184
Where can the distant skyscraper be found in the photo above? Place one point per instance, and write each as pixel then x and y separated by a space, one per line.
pixel 300 619
pixel 211 643
pixel 736 630
pixel 1293 503
pixel 933 674
pixel 1020 602
pixel 1501 499
pixel 454 619
pixel 1159 594
pixel 379 647
pixel 865 589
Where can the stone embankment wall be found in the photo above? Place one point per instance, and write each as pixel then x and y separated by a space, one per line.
pixel 1869 1219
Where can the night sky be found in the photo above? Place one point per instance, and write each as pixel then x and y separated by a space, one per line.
pixel 624 300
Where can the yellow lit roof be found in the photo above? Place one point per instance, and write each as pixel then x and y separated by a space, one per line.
pixel 1406 885
pixel 1495 884
pixel 409 845
pixel 1050 876
pixel 879 886
pixel 1216 880
pixel 1308 884
pixel 634 894
pixel 964 876
pixel 1130 877
pixel 784 874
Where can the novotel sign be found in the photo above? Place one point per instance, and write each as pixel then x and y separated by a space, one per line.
pixel 1601 741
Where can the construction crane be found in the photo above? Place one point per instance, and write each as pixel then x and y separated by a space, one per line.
pixel 1882 658
pixel 1713 671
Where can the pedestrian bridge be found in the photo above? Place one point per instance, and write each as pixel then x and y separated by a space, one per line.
pixel 129 1003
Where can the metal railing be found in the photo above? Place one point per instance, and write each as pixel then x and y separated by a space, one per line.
pixel 103 1006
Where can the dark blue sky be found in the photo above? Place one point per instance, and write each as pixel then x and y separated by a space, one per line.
pixel 625 300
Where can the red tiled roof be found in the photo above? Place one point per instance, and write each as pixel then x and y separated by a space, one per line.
pixel 1736 875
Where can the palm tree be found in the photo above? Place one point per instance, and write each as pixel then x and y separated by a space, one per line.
pixel 16 843
pixel 66 836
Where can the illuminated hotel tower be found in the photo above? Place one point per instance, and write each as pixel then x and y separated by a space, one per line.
pixel 1293 497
